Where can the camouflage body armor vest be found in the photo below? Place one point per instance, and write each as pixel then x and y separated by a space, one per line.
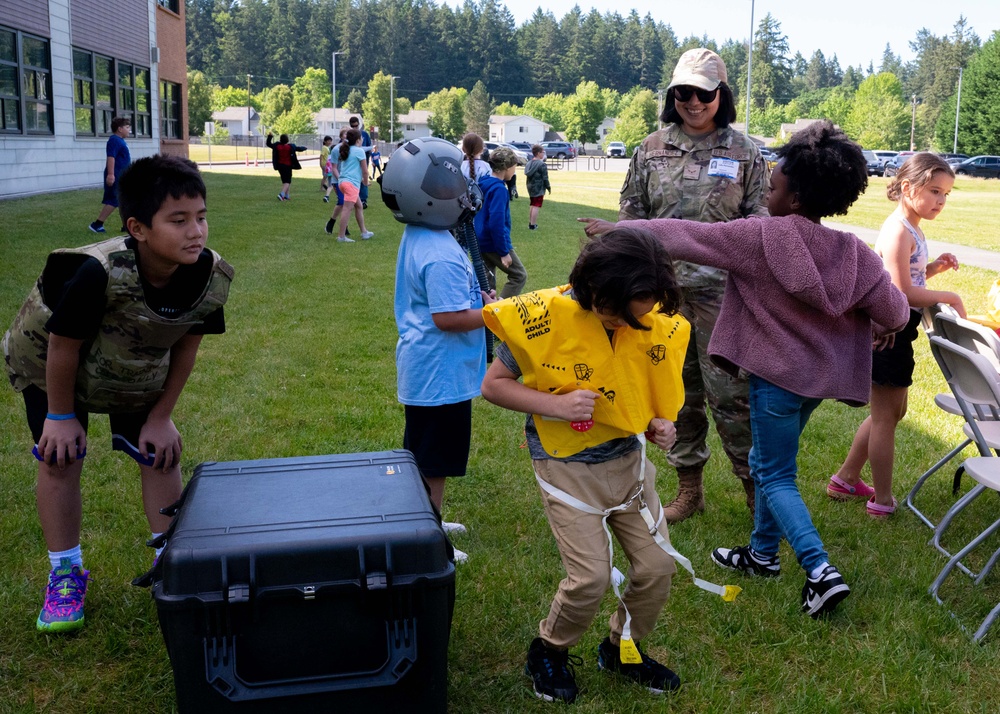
pixel 124 366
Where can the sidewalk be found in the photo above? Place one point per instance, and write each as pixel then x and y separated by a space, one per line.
pixel 976 257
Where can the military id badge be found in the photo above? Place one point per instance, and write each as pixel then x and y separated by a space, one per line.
pixel 729 168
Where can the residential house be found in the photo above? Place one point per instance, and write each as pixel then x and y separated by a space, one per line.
pixel 72 67
pixel 410 126
pixel 517 128
pixel 788 129
pixel 330 121
pixel 235 120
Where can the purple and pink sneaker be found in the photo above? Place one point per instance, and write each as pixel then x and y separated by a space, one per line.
pixel 63 608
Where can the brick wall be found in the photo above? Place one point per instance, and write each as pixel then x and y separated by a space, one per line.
pixel 172 41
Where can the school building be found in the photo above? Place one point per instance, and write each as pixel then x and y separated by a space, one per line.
pixel 67 68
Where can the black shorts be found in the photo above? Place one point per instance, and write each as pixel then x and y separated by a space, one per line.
pixel 439 438
pixel 125 427
pixel 285 172
pixel 893 367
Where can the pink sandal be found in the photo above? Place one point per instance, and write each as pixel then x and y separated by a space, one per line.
pixel 878 511
pixel 842 491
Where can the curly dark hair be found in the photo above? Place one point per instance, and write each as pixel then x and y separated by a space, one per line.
pixel 623 265
pixel 825 168
pixel 724 116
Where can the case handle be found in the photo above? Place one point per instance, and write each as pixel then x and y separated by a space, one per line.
pixel 220 669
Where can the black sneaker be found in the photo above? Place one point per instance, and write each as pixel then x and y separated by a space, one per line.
pixel 96 228
pixel 650 674
pixel 329 226
pixel 551 672
pixel 743 560
pixel 823 594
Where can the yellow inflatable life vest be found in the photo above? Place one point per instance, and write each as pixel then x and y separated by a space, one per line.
pixel 560 347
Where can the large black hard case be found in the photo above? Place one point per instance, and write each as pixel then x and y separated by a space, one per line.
pixel 307 584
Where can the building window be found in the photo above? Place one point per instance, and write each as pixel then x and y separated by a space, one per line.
pixel 172 5
pixel 522 129
pixel 104 88
pixel 25 84
pixel 170 110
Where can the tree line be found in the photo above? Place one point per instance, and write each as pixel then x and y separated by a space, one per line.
pixel 568 71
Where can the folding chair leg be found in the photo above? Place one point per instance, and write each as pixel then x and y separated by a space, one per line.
pixel 988 567
pixel 926 475
pixel 954 561
pixel 983 628
pixel 946 521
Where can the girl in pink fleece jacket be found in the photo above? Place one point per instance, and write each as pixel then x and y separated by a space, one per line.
pixel 802 303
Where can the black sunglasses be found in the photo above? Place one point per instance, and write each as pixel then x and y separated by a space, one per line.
pixel 684 93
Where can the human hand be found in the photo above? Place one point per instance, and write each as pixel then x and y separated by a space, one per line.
pixel 883 342
pixel 109 180
pixel 160 438
pixel 61 441
pixel 596 226
pixel 662 432
pixel 488 297
pixel 506 261
pixel 550 191
pixel 577 405
pixel 946 261
pixel 955 300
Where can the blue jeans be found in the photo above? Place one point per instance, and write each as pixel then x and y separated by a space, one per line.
pixel 777 418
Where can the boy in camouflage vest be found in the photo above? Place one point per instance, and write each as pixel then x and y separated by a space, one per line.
pixel 114 328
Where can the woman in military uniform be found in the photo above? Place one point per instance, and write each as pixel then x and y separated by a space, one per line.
pixel 698 168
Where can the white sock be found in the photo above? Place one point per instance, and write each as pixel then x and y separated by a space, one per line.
pixel 74 554
pixel 818 570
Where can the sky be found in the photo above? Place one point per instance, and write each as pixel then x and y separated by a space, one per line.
pixel 855 30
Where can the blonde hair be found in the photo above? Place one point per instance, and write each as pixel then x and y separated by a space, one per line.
pixel 918 171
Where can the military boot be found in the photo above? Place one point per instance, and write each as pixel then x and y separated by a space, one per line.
pixel 690 498
pixel 748 487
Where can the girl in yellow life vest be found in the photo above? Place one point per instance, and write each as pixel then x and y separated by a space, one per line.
pixel 601 362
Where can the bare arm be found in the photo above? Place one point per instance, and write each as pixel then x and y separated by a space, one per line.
pixel 158 434
pixel 61 440
pixel 109 172
pixel 501 387
pixel 895 244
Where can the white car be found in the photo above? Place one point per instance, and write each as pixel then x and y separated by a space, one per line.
pixel 616 148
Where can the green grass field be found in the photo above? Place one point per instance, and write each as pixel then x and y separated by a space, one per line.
pixel 307 367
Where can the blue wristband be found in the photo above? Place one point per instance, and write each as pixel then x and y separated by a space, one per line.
pixel 61 417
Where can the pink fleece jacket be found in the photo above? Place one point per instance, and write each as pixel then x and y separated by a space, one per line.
pixel 801 301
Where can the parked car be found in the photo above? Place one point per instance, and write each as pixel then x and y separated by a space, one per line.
pixel 769 156
pixel 954 159
pixel 893 165
pixel 985 166
pixel 875 166
pixel 559 149
pixel 522 145
pixel 884 156
pixel 616 148
pixel 521 157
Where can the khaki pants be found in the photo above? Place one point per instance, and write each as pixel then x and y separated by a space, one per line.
pixel 583 546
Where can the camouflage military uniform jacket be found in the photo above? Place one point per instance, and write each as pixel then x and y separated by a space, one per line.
pixel 124 366
pixel 670 177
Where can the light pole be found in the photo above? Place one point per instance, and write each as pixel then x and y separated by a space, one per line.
pixel 333 101
pixel 392 111
pixel 248 108
pixel 746 128
pixel 914 101
pixel 958 103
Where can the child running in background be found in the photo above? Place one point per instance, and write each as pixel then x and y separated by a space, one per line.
pixel 376 161
pixel 114 328
pixel 920 190
pixel 473 167
pixel 351 173
pixel 596 356
pixel 801 304
pixel 536 176
pixel 492 223
pixel 324 157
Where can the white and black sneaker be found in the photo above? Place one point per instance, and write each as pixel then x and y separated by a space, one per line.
pixel 744 560
pixel 823 594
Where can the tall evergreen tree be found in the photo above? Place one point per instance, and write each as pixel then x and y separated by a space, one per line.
pixel 772 74
pixel 478 108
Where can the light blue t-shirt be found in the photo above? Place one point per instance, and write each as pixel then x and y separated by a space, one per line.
pixel 350 168
pixel 433 274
